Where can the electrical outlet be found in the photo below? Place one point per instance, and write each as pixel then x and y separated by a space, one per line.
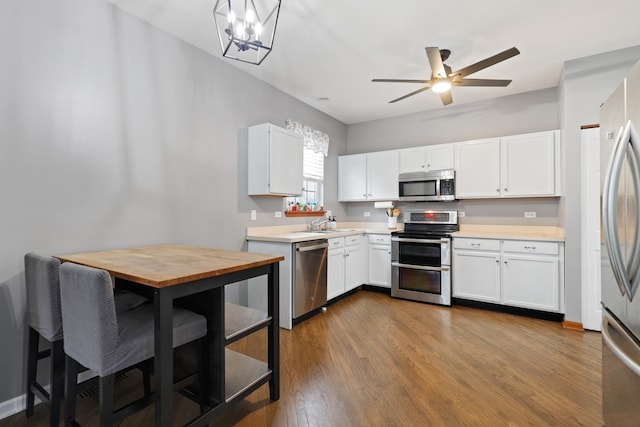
pixel 367 214
pixel 529 214
pixel 254 215
pixel 278 214
pixel 460 214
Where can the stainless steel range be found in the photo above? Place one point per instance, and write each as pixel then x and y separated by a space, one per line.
pixel 421 257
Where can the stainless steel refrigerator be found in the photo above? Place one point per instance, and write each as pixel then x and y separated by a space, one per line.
pixel 620 257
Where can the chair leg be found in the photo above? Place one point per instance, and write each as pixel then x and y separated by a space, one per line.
pixel 57 381
pixel 71 390
pixel 106 400
pixel 32 366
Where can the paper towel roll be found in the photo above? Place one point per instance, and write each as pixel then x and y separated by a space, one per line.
pixel 383 205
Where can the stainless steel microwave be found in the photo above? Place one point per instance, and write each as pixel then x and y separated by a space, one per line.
pixel 430 186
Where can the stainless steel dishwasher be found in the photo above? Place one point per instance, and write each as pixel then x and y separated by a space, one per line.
pixel 310 280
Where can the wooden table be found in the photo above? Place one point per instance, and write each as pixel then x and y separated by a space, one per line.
pixel 168 272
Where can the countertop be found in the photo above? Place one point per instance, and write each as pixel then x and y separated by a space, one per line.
pixel 298 233
pixel 511 232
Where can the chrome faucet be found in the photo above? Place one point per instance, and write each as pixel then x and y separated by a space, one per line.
pixel 316 223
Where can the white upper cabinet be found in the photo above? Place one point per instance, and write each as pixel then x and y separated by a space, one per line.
pixel 369 176
pixel 275 161
pixel 432 157
pixel 515 166
pixel 478 168
pixel 528 165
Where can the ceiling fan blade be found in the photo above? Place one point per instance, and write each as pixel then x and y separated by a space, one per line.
pixel 435 62
pixel 481 65
pixel 446 97
pixel 411 94
pixel 481 82
pixel 400 81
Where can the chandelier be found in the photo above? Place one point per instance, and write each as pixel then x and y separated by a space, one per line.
pixel 246 28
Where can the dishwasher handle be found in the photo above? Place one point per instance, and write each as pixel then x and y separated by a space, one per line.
pixel 312 247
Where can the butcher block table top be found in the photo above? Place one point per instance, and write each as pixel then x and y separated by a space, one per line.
pixel 167 265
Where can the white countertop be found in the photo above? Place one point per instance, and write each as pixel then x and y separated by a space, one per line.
pixel 298 233
pixel 511 232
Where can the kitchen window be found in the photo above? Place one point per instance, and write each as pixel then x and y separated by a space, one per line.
pixel 312 198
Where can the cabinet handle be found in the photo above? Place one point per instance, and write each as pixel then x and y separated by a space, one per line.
pixel 364 195
pixel 505 262
pixel 532 248
pixel 497 190
pixel 497 261
pixel 346 255
pixel 506 189
pixel 475 245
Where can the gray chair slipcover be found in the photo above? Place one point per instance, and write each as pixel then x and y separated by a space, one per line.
pixel 106 342
pixel 44 318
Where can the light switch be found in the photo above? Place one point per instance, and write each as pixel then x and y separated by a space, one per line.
pixel 253 215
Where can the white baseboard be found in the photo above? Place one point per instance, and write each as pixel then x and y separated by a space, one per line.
pixel 19 403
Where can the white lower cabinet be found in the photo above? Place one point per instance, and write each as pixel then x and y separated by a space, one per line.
pixel 344 265
pixel 380 260
pixel 527 274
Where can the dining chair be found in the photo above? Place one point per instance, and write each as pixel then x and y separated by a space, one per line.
pixel 44 319
pixel 98 338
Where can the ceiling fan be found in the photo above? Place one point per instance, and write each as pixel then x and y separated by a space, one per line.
pixel 442 78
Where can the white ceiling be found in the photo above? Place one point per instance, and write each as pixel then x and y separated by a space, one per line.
pixel 334 48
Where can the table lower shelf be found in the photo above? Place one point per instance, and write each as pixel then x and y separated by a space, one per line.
pixel 243 375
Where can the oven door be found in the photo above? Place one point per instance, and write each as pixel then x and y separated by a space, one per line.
pixel 420 269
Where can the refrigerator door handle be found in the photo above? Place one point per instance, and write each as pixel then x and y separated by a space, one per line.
pixel 620 354
pixel 631 137
pixel 609 220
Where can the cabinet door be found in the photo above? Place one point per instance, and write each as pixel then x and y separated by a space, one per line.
pixel 412 160
pixel 380 266
pixel 275 161
pixel 478 169
pixel 285 162
pixel 531 282
pixel 440 156
pixel 335 273
pixel 529 165
pixel 476 276
pixel 352 267
pixel 382 175
pixel 352 177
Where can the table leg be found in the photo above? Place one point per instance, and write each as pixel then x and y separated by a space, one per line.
pixel 273 331
pixel 163 364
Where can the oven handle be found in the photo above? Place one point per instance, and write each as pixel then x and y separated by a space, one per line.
pixel 404 239
pixel 418 267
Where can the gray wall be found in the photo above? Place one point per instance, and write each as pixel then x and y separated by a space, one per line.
pixel 115 134
pixel 586 84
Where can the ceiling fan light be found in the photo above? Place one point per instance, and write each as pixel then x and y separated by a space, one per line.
pixel 441 86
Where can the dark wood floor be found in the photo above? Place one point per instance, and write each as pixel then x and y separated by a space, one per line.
pixel 371 360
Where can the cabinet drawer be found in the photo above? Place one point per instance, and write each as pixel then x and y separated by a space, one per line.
pixel 531 247
pixel 336 242
pixel 478 244
pixel 380 239
pixel 352 240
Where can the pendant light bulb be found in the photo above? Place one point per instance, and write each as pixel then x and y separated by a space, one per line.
pixel 250 16
pixel 240 31
pixel 231 17
pixel 258 29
